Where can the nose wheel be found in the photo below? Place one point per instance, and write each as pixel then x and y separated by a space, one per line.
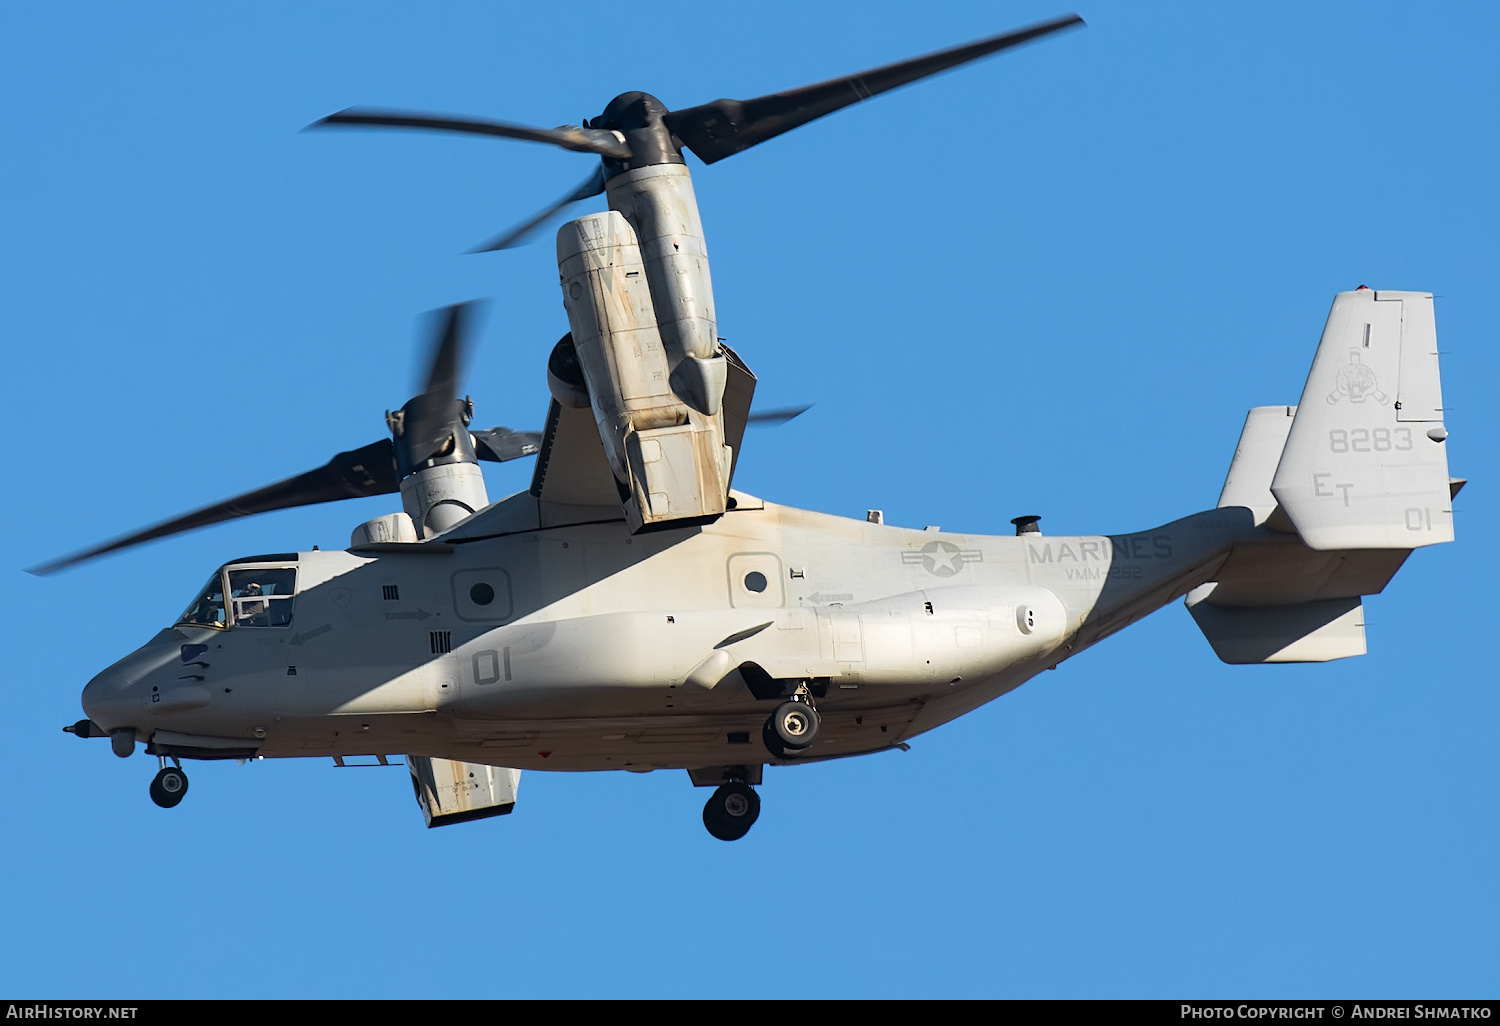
pixel 731 811
pixel 169 787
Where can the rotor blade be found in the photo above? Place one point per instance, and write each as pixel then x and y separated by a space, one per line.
pixel 777 417
pixel 370 470
pixel 431 417
pixel 445 352
pixel 593 185
pixel 570 137
pixel 499 444
pixel 723 128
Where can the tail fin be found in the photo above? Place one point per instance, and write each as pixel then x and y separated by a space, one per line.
pixel 1349 482
pixel 1365 465
pixel 1262 440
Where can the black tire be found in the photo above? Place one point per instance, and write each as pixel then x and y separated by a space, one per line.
pixel 169 787
pixel 773 743
pixel 731 811
pixel 795 725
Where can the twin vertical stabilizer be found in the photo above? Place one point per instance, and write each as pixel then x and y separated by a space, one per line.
pixel 1345 485
pixel 1366 465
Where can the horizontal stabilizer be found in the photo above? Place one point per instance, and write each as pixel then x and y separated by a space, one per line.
pixel 1366 464
pixel 1306 632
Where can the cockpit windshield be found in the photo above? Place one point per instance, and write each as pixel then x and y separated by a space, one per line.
pixel 262 596
pixel 207 609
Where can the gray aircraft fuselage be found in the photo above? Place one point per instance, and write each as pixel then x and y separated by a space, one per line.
pixel 598 649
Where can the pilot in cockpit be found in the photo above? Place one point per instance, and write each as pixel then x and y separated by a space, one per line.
pixel 250 613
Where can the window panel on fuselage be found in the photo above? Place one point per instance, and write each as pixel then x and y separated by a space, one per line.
pixel 207 609
pixel 262 596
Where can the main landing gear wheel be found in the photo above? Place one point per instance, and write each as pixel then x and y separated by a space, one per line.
pixel 169 787
pixel 791 728
pixel 731 811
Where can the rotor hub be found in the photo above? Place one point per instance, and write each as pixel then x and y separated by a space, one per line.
pixel 640 117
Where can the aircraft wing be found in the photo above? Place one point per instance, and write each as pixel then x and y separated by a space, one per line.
pixel 739 389
pixel 571 468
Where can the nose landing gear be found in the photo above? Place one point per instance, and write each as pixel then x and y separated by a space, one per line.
pixel 170 785
pixel 731 811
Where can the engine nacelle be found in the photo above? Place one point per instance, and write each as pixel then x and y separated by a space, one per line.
pixel 659 204
pixel 658 406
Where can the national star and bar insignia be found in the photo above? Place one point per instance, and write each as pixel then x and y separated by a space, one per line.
pixel 942 558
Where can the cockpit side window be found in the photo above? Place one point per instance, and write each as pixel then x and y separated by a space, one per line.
pixel 262 596
pixel 207 609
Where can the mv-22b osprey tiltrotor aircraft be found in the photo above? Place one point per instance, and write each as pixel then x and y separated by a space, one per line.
pixel 632 611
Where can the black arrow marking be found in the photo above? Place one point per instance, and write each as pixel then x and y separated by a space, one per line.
pixel 315 632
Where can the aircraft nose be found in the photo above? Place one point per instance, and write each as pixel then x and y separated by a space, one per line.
pixel 114 699
pixel 109 700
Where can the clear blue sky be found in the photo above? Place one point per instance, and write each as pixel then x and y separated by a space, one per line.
pixel 1050 283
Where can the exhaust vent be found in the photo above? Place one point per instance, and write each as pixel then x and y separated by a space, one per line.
pixel 1027 525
